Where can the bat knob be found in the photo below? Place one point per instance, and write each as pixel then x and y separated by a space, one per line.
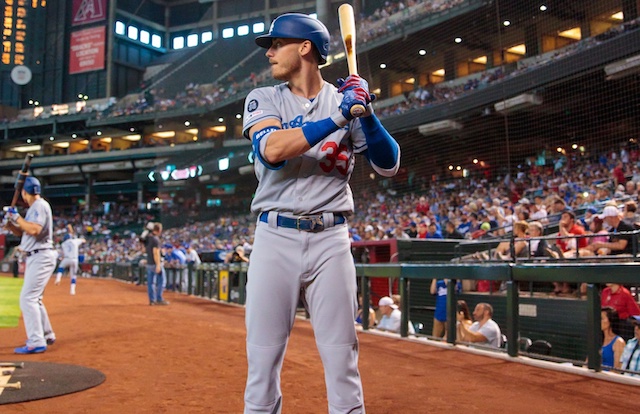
pixel 357 110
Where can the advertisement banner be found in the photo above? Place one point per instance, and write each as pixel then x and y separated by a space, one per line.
pixel 88 11
pixel 87 50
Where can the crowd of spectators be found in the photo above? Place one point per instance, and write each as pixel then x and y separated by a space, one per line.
pixel 388 19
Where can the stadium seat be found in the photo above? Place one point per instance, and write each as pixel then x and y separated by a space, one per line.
pixel 524 343
pixel 540 347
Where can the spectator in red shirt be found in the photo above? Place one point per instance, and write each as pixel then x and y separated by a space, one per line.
pixel 619 298
pixel 568 227
pixel 423 206
pixel 618 173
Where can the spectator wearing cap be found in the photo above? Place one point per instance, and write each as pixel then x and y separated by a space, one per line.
pixel 618 243
pixel 369 233
pixel 630 359
pixel 412 231
pixel 391 316
pixel 423 230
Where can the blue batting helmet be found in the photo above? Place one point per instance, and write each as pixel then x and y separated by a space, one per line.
pixel 31 185
pixel 66 237
pixel 298 26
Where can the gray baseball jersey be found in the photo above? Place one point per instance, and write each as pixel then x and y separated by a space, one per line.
pixel 39 268
pixel 286 262
pixel 318 181
pixel 40 213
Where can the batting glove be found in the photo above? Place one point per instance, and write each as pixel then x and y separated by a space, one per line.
pixel 11 213
pixel 351 97
pixel 352 82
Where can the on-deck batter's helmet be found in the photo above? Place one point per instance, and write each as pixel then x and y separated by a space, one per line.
pixel 298 26
pixel 31 185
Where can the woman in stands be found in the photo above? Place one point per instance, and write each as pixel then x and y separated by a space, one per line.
pixel 463 309
pixel 503 251
pixel 612 343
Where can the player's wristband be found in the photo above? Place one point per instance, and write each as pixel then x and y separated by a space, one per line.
pixel 315 132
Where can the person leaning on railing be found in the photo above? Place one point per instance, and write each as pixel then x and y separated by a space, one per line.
pixel 621 241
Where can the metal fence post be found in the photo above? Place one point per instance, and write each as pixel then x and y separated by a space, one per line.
pixel 366 299
pixel 451 312
pixel 594 342
pixel 404 303
pixel 512 317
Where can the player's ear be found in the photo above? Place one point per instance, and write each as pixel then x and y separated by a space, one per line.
pixel 306 49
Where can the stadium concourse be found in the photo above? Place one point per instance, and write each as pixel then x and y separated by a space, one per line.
pixel 189 358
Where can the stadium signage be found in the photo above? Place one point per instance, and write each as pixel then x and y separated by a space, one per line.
pixel 176 174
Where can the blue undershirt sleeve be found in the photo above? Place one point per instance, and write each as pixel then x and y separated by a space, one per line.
pixel 382 148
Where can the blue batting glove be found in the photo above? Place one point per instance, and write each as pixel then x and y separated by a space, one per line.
pixel 352 82
pixel 11 213
pixel 351 97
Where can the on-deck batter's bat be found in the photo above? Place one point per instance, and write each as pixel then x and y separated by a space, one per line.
pixel 15 385
pixel 22 175
pixel 348 33
pixel 11 364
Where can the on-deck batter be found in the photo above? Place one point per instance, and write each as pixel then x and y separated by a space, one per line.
pixel 70 246
pixel 36 229
pixel 304 139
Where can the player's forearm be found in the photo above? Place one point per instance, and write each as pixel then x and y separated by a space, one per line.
pixel 383 150
pixel 285 144
pixel 28 227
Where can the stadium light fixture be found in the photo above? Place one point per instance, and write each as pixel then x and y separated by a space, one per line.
pixel 51 138
pixel 506 23
pixel 450 167
pixel 543 7
pixel 187 123
pixel 618 16
pixel 27 148
pixel 383 66
pixel 223 164
pixel 458 40
pixel 220 119
pixel 475 160
pixel 574 146
pixel 422 52
pixel 238 116
pixel 99 133
pixel 74 135
pixel 28 140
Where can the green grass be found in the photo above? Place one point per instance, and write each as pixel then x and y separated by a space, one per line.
pixel 10 301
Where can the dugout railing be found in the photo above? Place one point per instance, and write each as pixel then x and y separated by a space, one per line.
pixel 571 325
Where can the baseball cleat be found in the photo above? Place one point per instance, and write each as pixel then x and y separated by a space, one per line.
pixel 162 302
pixel 27 350
pixel 51 341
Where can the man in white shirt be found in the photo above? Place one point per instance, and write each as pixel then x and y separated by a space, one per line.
pixel 391 316
pixel 484 330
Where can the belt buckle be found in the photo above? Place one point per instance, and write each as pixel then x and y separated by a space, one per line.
pixel 315 223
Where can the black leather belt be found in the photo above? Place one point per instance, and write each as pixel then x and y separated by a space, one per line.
pixel 303 223
pixel 36 251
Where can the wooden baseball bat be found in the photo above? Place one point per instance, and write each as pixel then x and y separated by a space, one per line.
pixel 15 385
pixel 348 33
pixel 22 175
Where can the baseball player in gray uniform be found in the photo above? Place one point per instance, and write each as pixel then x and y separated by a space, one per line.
pixel 36 229
pixel 70 246
pixel 304 140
